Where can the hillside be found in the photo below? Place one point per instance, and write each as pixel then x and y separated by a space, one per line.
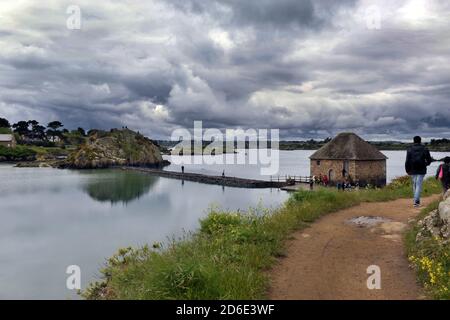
pixel 114 148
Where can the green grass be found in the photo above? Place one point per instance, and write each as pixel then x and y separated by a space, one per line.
pixel 231 254
pixel 18 153
pixel 431 259
pixel 48 150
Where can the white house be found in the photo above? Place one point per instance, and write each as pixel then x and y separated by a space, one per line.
pixel 7 140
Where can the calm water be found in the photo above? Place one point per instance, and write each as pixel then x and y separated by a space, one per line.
pixel 51 219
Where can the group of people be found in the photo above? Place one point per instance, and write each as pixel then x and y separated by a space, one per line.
pixel 418 158
pixel 347 185
pixel 321 180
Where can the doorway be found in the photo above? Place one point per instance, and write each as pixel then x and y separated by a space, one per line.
pixel 331 175
pixel 346 168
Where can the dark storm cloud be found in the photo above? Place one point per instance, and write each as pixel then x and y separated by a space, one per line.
pixel 266 13
pixel 309 68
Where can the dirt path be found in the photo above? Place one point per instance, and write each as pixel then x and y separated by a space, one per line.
pixel 329 260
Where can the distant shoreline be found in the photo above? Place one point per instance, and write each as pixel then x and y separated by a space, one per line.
pixel 383 148
pixel 40 163
pixel 315 145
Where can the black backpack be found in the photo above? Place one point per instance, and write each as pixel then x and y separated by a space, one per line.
pixel 417 159
pixel 446 172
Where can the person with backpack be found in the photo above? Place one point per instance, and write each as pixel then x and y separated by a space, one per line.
pixel 418 158
pixel 443 174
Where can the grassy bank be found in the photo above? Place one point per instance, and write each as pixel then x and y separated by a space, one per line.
pixel 431 260
pixel 29 153
pixel 52 151
pixel 20 153
pixel 228 258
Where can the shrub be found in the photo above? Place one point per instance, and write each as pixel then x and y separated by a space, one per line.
pixel 17 154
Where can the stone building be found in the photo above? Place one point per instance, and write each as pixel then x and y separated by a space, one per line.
pixel 348 156
pixel 7 140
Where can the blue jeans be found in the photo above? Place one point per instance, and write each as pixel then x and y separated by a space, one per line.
pixel 417 181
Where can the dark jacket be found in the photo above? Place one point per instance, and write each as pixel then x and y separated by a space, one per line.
pixel 418 158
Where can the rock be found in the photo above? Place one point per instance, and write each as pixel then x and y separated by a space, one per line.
pixel 27 165
pixel 432 225
pixel 367 221
pixel 447 195
pixel 444 210
pixel 115 148
pixel 37 164
pixel 445 231
pixel 45 165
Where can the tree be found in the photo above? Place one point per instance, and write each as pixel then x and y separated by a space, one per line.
pixel 38 132
pixel 32 123
pixel 55 125
pixel 21 128
pixel 32 132
pixel 81 131
pixel 4 123
pixel 53 129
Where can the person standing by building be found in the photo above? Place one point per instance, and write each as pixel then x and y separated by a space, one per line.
pixel 325 181
pixel 418 158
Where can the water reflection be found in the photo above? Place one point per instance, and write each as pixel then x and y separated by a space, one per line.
pixel 117 186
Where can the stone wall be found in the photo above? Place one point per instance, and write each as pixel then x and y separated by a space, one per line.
pixel 373 172
pixel 326 165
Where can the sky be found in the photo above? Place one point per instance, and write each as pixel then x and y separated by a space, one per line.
pixel 311 68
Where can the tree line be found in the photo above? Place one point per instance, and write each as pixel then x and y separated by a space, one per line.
pixel 32 130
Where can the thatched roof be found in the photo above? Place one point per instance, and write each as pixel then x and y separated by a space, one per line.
pixel 348 146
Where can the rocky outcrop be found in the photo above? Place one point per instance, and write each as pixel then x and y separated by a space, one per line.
pixel 447 195
pixel 115 148
pixel 436 223
pixel 444 210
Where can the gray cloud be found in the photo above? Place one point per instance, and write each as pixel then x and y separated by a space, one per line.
pixel 310 68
